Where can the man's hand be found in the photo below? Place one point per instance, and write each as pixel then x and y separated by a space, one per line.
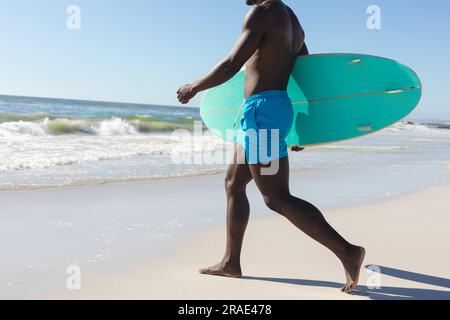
pixel 186 93
pixel 296 148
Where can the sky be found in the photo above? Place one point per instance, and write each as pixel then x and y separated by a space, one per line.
pixel 143 50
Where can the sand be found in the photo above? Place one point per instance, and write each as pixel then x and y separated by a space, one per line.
pixel 407 237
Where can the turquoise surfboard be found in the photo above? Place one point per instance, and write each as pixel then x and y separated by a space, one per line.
pixel 335 97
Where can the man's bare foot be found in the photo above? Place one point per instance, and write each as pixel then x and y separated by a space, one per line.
pixel 352 265
pixel 223 269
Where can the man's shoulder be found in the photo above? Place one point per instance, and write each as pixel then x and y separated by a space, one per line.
pixel 258 15
pixel 258 11
pixel 271 11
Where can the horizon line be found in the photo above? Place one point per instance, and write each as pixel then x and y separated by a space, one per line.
pixel 101 101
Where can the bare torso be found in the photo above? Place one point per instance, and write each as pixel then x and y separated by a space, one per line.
pixel 271 65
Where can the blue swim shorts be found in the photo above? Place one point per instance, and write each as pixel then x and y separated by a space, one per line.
pixel 266 122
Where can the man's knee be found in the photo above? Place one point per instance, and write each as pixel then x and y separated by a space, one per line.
pixel 276 203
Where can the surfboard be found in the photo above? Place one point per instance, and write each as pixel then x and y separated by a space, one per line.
pixel 335 97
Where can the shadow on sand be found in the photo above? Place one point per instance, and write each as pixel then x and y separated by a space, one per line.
pixel 384 293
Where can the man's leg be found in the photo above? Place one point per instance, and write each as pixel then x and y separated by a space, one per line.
pixel 305 216
pixel 238 212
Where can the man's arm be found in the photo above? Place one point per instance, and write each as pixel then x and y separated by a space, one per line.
pixel 255 25
pixel 303 52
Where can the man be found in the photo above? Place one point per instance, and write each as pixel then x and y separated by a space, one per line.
pixel 271 40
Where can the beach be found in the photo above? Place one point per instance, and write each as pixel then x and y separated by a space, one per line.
pixel 406 237
pixel 105 230
pixel 118 128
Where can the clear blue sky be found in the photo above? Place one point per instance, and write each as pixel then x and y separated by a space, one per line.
pixel 143 50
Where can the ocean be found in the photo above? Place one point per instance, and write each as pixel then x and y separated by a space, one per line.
pixel 56 142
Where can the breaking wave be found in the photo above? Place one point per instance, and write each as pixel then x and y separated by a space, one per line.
pixel 42 124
